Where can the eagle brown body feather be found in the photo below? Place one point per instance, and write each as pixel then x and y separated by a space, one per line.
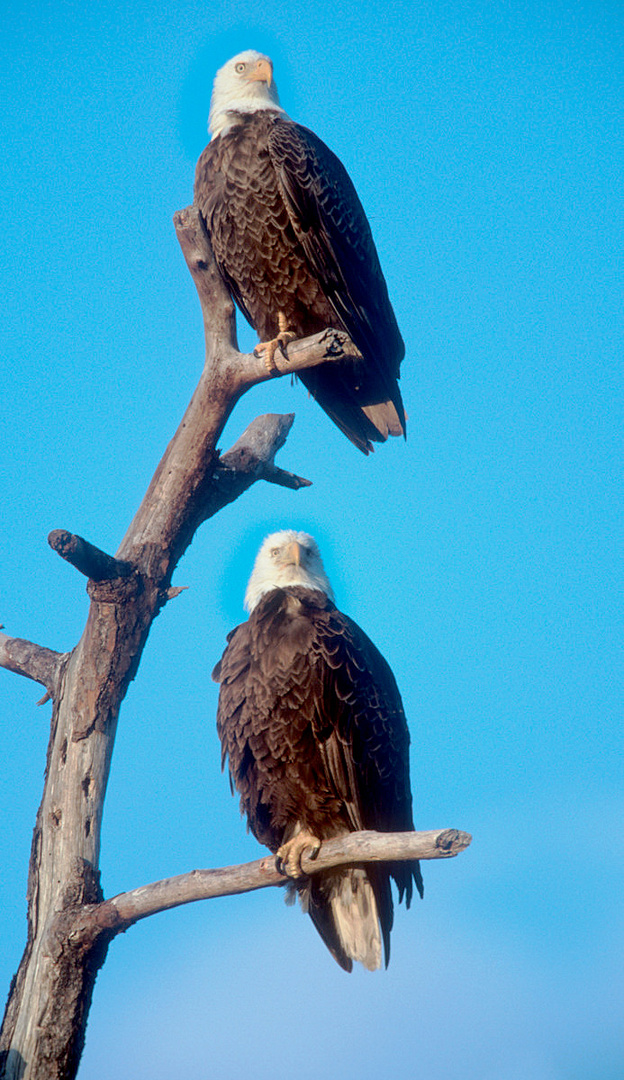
pixel 312 725
pixel 290 236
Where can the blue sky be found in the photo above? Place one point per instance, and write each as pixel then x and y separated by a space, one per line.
pixel 483 556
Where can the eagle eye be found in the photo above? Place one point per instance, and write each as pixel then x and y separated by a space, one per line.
pixel 275 552
pixel 240 68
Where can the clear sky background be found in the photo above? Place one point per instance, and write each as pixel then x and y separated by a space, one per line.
pixel 483 556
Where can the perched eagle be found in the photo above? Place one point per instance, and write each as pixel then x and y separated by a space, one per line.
pixel 295 250
pixel 312 723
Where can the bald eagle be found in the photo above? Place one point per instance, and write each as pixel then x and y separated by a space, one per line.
pixel 292 243
pixel 312 725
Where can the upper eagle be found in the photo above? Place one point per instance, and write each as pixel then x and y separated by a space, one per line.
pixel 311 722
pixel 294 247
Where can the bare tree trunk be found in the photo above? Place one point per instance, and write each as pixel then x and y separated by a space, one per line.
pixel 69 923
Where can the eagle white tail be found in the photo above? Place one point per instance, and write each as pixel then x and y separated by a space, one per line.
pixel 344 910
pixel 354 909
pixel 385 418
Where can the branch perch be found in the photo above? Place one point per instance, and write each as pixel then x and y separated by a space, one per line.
pixel 123 910
pixel 246 369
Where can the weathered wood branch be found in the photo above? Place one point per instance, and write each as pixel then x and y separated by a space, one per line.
pixel 93 563
pixel 250 459
pixel 121 911
pixel 34 661
pixel 87 924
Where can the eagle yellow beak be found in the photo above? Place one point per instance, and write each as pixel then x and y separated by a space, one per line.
pixel 294 553
pixel 263 71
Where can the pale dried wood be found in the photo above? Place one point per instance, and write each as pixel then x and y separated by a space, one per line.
pixel 121 911
pixel 34 661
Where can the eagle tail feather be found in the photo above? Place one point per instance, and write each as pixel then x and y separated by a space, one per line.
pixel 385 418
pixel 347 913
pixel 354 909
pixel 363 424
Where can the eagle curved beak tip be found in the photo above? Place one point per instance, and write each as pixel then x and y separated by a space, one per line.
pixel 263 72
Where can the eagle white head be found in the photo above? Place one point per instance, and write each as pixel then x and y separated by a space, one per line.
pixel 286 558
pixel 243 85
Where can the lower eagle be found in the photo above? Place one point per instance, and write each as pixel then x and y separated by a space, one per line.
pixel 312 726
pixel 292 243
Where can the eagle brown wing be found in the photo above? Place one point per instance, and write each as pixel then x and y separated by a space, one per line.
pixel 267 703
pixel 330 223
pixel 311 720
pixel 366 743
pixel 312 726
pixel 290 236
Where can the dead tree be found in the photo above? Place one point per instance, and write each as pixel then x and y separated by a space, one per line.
pixel 70 924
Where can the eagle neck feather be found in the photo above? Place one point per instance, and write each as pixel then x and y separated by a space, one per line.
pixel 234 115
pixel 291 599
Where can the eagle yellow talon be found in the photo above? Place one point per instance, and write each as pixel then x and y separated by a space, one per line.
pixel 269 348
pixel 290 854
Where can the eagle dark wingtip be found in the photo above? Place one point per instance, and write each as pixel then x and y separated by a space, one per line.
pixel 418 881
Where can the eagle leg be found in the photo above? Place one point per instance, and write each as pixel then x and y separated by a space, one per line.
pixel 289 855
pixel 269 348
